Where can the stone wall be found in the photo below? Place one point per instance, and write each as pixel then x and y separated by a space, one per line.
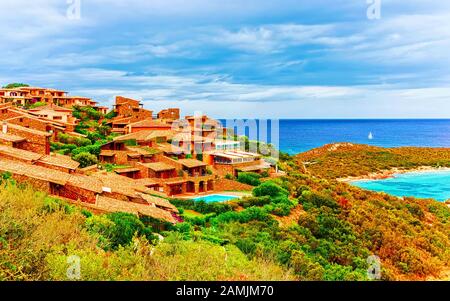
pixel 40 185
pixel 31 123
pixel 77 193
pixel 36 142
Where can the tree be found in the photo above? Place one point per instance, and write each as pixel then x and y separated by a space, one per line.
pixel 85 159
pixel 15 85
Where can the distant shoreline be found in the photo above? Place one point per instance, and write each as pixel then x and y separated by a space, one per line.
pixel 390 173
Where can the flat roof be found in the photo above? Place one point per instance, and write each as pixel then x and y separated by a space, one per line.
pixel 233 154
pixel 107 153
pixel 254 167
pixel 171 149
pixel 191 163
pixel 11 138
pixel 158 166
pixel 125 170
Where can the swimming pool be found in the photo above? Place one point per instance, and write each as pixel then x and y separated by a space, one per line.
pixel 435 185
pixel 213 198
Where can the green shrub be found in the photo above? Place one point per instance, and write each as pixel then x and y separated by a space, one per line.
pixel 78 141
pixel 202 207
pixel 37 104
pixel 85 159
pixel 110 115
pixel 91 149
pixel 15 85
pixel 249 178
pixel 254 201
pixel 318 200
pixel 271 189
pixel 229 176
pixel 126 226
pixel 282 209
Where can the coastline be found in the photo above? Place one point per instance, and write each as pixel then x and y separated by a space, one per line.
pixel 390 173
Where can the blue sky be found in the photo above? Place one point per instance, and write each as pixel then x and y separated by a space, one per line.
pixel 254 58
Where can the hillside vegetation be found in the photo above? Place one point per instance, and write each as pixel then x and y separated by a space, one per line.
pixel 345 159
pixel 298 227
pixel 39 233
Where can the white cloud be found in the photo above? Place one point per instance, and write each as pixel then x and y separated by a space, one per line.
pixel 273 38
pixel 118 48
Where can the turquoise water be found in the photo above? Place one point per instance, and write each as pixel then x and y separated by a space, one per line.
pixel 434 185
pixel 213 198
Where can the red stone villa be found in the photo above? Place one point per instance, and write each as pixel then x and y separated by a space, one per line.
pixel 152 157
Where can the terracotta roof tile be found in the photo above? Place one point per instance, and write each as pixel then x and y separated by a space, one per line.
pixel 59 160
pixel 32 131
pixel 114 205
pixel 19 153
pixel 33 171
pixel 159 202
pixel 145 135
pixel 149 123
pixel 86 182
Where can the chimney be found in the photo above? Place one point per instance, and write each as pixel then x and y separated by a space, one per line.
pixel 4 128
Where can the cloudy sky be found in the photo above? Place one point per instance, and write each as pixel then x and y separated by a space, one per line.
pixel 247 58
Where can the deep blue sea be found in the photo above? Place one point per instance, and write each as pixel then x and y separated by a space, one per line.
pixel 297 136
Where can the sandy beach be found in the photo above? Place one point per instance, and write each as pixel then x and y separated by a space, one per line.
pixel 385 174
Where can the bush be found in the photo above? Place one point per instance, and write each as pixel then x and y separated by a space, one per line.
pixel 229 176
pixel 103 228
pixel 319 200
pixel 249 178
pixel 37 104
pixel 254 201
pixel 91 149
pixel 202 206
pixel 15 85
pixel 271 189
pixel 282 209
pixel 78 141
pixel 85 159
pixel 110 115
pixel 126 226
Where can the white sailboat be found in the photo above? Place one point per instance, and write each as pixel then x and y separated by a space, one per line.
pixel 370 136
